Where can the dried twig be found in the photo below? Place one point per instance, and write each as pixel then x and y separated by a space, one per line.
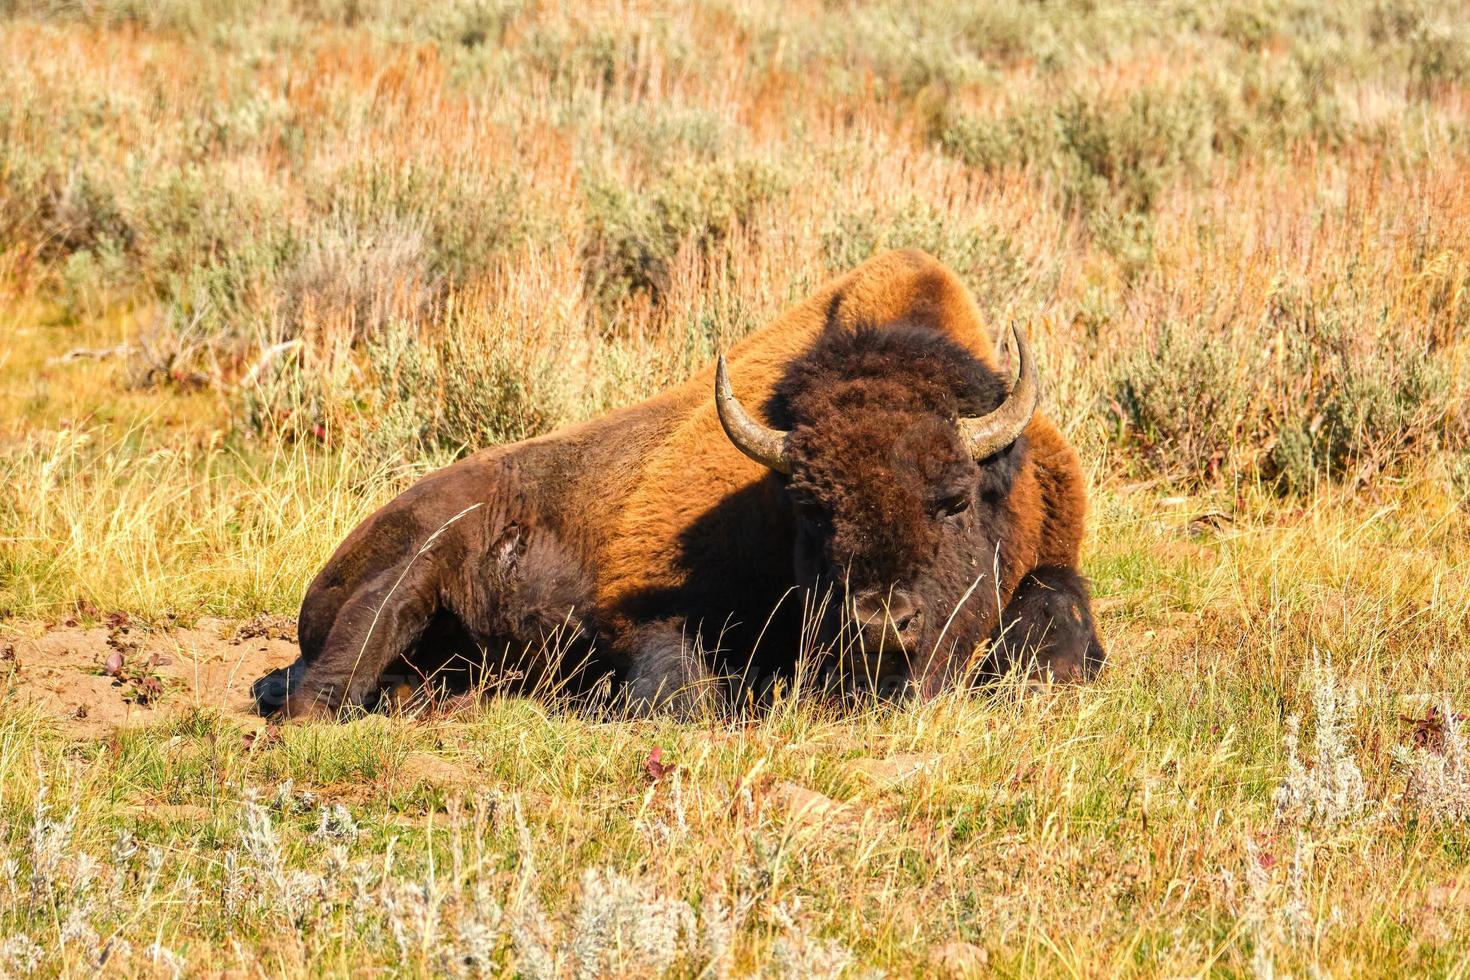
pixel 93 353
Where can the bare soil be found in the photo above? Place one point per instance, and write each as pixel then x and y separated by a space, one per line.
pixel 95 679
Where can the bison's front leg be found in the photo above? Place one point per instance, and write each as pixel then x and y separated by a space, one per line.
pixel 380 622
pixel 666 672
pixel 1048 624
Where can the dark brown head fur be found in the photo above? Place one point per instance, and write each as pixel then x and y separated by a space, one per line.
pixel 891 510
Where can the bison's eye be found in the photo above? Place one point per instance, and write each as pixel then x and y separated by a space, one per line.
pixel 952 504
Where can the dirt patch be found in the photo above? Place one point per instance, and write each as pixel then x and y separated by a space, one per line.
pixel 90 680
pixel 426 767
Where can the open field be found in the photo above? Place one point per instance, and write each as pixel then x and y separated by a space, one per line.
pixel 263 264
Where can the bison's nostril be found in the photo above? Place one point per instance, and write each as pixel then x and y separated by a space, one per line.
pixel 903 623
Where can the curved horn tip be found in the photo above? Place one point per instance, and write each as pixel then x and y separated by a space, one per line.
pixel 991 433
pixel 761 443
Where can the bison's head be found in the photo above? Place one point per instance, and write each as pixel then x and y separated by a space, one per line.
pixel 898 449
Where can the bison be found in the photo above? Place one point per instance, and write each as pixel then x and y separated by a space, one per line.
pixel 901 506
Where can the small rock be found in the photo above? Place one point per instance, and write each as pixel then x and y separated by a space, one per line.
pixel 803 804
pixel 958 960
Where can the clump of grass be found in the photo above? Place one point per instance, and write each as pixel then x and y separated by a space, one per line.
pixel 985 256
pixel 452 393
pixel 624 926
pixel 797 953
pixel 86 516
pixel 1275 913
pixel 632 236
pixel 1183 401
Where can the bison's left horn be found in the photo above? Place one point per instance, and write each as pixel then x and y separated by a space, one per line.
pixel 761 443
pixel 989 434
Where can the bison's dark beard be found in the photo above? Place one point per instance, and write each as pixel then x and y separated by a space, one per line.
pixel 948 650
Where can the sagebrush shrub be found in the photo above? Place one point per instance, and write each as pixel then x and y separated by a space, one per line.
pixel 1183 401
pixel 983 255
pixel 1312 402
pixel 455 393
pixel 1332 790
pixel 632 235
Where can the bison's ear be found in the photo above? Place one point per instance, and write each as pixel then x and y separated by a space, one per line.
pixel 508 548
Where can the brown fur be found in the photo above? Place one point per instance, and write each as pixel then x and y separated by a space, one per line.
pixel 654 525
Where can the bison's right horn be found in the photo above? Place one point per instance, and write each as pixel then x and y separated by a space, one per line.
pixel 761 443
pixel 989 434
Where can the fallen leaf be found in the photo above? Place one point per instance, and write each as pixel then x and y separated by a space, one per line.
pixel 114 665
pixel 655 766
pixel 147 690
pixel 1428 731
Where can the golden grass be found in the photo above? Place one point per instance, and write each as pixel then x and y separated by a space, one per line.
pixel 571 207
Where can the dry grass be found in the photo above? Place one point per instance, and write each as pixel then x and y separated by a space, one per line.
pixel 1239 237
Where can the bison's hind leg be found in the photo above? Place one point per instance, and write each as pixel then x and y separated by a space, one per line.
pixel 1048 623
pixel 377 625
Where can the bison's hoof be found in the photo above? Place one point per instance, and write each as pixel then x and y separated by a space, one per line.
pixel 271 691
pixel 301 706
